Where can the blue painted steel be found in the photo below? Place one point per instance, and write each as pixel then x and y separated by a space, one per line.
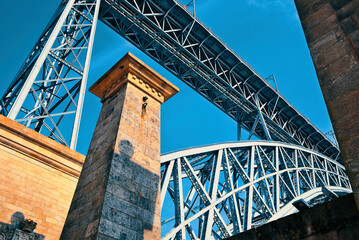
pixel 172 36
pixel 176 39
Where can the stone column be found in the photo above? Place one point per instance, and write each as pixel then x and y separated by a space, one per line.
pixel 118 196
pixel 331 28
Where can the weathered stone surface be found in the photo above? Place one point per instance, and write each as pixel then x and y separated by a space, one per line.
pixel 329 74
pixel 334 220
pixel 309 6
pixel 118 192
pixel 38 178
pixel 332 32
pixel 317 17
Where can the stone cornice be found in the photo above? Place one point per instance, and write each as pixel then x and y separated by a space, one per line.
pixel 131 69
pixel 39 147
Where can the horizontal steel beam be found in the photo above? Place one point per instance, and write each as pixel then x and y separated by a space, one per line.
pixel 170 34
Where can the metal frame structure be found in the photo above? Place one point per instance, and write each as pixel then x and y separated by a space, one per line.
pixel 216 190
pixel 220 190
pixel 171 35
pixel 47 94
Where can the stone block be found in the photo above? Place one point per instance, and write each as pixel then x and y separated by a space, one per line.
pixel 116 231
pixel 323 41
pixel 38 177
pixel 338 4
pixel 343 90
pixel 337 69
pixel 122 181
pixel 348 26
pixel 317 17
pixel 332 54
pixel 345 10
pixel 309 6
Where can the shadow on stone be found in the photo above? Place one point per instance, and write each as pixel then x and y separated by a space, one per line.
pixel 16 218
pixel 117 196
pixel 131 198
pixel 16 230
pixel 123 202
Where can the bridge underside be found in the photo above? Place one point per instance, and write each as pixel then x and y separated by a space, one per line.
pixel 48 92
pixel 219 190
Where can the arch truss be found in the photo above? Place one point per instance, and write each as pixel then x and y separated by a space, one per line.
pixel 216 191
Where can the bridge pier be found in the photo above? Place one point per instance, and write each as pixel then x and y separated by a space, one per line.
pixel 117 196
pixel 332 32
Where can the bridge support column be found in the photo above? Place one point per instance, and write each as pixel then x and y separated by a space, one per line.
pixel 117 196
pixel 332 32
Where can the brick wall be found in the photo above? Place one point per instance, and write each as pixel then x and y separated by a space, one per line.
pixel 331 28
pixel 38 177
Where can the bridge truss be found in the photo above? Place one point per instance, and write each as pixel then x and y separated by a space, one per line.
pixel 48 91
pixel 220 190
pixel 53 77
pixel 238 186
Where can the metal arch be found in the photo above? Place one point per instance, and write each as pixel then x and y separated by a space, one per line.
pixel 202 59
pixel 172 36
pixel 231 187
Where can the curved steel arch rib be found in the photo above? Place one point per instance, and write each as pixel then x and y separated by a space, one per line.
pixel 47 94
pixel 223 189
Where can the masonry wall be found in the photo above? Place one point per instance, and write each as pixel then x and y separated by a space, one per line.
pixel 118 195
pixel 331 28
pixel 334 220
pixel 38 177
pixel 114 197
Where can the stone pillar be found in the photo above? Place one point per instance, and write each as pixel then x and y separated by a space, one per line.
pixel 331 28
pixel 118 196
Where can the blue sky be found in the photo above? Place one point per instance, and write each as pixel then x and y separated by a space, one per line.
pixel 265 33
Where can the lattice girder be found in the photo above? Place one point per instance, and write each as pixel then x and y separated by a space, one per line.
pixel 231 187
pixel 51 84
pixel 47 93
pixel 170 34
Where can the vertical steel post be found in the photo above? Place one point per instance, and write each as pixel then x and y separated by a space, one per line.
pixel 40 61
pixel 52 82
pixel 277 185
pixel 213 186
pixel 75 130
pixel 178 196
pixel 239 131
pixel 249 209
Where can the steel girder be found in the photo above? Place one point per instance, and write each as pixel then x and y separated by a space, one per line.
pixel 172 36
pixel 47 93
pixel 51 83
pixel 217 190
pixel 220 190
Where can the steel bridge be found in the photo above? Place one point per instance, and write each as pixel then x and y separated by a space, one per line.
pixel 219 190
pixel 47 95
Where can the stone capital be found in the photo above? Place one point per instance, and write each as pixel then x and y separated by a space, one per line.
pixel 132 70
pixel 120 180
